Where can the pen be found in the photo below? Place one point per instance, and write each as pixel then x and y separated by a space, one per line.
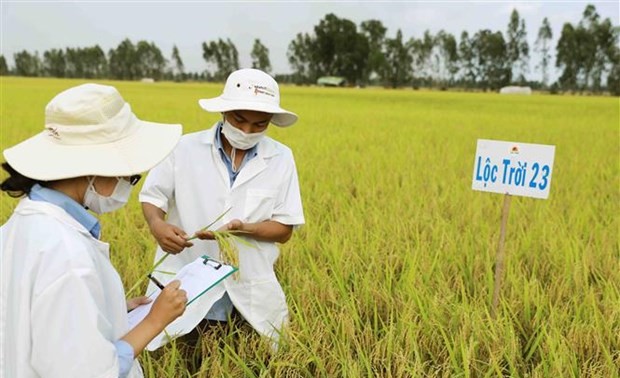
pixel 155 281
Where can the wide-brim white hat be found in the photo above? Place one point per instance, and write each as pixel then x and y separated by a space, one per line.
pixel 91 130
pixel 250 89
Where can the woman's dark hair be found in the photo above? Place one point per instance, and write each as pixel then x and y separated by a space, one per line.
pixel 17 185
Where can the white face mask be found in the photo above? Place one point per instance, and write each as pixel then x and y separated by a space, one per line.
pixel 238 139
pixel 102 204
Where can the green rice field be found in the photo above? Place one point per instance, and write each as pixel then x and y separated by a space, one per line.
pixel 392 275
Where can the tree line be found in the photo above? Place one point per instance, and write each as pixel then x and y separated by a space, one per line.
pixel 587 57
pixel 129 61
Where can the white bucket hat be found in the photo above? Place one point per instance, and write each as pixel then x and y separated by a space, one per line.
pixel 250 89
pixel 91 130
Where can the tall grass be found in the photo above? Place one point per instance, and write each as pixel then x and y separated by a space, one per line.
pixel 392 276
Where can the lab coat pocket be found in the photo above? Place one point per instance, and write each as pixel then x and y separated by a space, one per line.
pixel 259 204
pixel 268 305
pixel 261 302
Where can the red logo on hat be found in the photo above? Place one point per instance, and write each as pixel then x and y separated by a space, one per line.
pixel 263 90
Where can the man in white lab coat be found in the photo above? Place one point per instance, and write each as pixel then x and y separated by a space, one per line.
pixel 231 165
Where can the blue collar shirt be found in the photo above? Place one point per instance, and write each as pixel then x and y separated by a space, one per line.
pixel 68 204
pixel 249 155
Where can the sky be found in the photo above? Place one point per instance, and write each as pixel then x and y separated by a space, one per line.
pixel 42 25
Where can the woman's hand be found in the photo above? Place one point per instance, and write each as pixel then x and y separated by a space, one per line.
pixel 169 305
pixel 138 301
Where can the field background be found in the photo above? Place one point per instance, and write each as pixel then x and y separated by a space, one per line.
pixel 392 276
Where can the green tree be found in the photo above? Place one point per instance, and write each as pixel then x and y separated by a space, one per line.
pixel 494 67
pixel 339 49
pixel 336 48
pixel 94 62
pixel 74 62
pixel 123 61
pixel 356 62
pixel 543 46
pixel 374 31
pixel 397 70
pixel 444 59
pixel 150 62
pixel 54 63
pixel 467 60
pixel 567 58
pixel 27 64
pixel 4 68
pixel 222 56
pixel 605 39
pixel 588 48
pixel 451 52
pixel 178 63
pixel 212 55
pixel 300 58
pixel 260 56
pixel 613 80
pixel 587 53
pixel 422 51
pixel 517 48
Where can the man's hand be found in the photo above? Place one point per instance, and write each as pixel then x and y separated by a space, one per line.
pixel 233 225
pixel 170 238
pixel 269 231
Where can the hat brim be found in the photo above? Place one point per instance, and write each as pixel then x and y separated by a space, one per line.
pixel 281 117
pixel 41 158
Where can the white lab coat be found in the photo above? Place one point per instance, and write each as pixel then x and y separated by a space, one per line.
pixel 192 186
pixel 62 302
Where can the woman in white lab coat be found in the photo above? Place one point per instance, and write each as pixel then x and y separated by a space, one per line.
pixel 63 311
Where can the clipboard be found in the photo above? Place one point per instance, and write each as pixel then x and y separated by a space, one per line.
pixel 201 280
pixel 222 271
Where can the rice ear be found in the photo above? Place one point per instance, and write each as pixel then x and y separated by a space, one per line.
pixel 229 254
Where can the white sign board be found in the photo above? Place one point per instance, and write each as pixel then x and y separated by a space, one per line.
pixel 514 168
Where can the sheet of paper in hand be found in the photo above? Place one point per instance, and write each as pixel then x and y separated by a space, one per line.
pixel 201 280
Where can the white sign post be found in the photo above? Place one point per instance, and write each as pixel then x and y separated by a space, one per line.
pixel 511 168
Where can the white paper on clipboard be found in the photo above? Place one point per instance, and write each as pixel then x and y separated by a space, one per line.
pixel 201 280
